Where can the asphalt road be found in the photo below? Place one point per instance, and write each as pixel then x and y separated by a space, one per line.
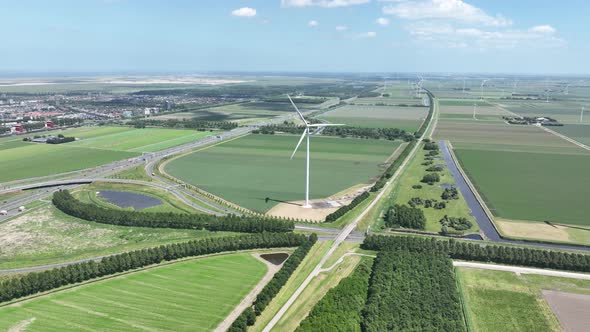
pixel 346 231
pixel 523 270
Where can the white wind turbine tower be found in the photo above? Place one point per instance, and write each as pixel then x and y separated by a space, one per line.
pixel 474 108
pixel 582 115
pixel 567 90
pixel 306 132
pixel 483 82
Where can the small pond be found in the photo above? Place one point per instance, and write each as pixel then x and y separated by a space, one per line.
pixel 275 258
pixel 125 199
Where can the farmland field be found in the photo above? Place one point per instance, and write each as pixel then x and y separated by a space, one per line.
pixel 194 295
pixel 45 235
pixel 96 146
pixel 531 186
pixel 239 112
pixel 247 170
pixel 407 118
pixel 504 301
pixel 580 133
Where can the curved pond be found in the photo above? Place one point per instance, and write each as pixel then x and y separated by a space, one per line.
pixel 126 199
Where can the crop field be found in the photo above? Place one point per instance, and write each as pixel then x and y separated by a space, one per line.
pixel 96 146
pixel 135 140
pixel 247 170
pixel 193 295
pixel 403 192
pixel 45 235
pixel 565 111
pixel 504 301
pixel 580 133
pixel 502 137
pixel 239 112
pixel 531 186
pixel 407 118
pixel 46 159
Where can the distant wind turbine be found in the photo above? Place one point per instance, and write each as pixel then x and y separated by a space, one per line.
pixel 306 132
pixel 582 115
pixel 483 82
pixel 474 108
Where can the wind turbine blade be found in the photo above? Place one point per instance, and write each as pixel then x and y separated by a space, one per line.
pixel 300 140
pixel 298 112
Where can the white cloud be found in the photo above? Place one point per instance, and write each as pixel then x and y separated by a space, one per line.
pixel 382 21
pixel 341 28
pixel 445 35
pixel 543 29
pixel 456 10
pixel 313 23
pixel 322 3
pixel 370 34
pixel 244 12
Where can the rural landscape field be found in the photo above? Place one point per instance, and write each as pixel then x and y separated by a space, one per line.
pixel 295 166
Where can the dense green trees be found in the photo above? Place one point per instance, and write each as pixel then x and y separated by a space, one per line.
pixel 185 123
pixel 280 278
pixel 64 201
pixel 344 131
pixel 405 216
pixel 245 319
pixel 484 252
pixel 430 178
pixel 340 309
pixel 412 291
pixel 36 282
pixel 450 193
pixel 393 167
pixel 458 223
pixel 342 210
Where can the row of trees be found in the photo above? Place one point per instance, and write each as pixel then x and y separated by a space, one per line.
pixel 484 252
pixel 60 139
pixel 35 282
pixel 342 210
pixel 344 131
pixel 68 204
pixel 248 316
pixel 340 309
pixel 393 167
pixel 413 291
pixel 405 216
pixel 424 125
pixel 280 278
pixel 184 123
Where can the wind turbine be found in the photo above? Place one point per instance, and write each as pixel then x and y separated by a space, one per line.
pixel 567 89
pixel 306 132
pixel 483 82
pixel 582 115
pixel 474 108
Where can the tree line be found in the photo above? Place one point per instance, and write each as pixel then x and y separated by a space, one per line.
pixel 184 123
pixel 424 125
pixel 413 291
pixel 343 209
pixel 405 216
pixel 393 167
pixel 68 204
pixel 340 309
pixel 268 293
pixel 390 134
pixel 483 252
pixel 35 282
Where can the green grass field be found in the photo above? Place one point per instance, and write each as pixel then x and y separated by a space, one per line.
pixel 35 160
pixel 531 186
pixel 247 170
pixel 136 140
pixel 580 133
pixel 96 146
pixel 194 295
pixel 407 118
pixel 44 235
pixel 403 192
pixel 504 301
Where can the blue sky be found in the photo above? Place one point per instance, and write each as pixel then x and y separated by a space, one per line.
pixel 500 36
